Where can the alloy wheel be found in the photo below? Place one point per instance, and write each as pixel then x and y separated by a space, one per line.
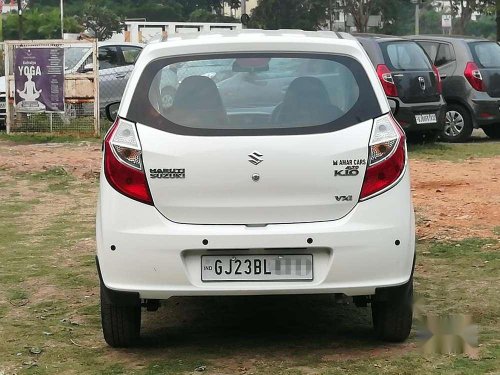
pixel 454 124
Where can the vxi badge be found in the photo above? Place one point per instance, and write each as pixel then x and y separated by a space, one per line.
pixel 167 173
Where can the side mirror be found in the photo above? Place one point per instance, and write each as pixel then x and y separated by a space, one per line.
pixel 394 105
pixel 87 68
pixel 112 111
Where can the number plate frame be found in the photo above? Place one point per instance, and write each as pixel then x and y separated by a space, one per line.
pixel 210 276
pixel 426 118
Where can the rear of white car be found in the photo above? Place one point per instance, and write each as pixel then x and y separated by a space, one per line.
pixel 289 176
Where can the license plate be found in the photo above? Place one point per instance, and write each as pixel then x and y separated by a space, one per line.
pixel 426 119
pixel 256 267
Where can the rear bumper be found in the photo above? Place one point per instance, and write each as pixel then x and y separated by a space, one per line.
pixel 159 259
pixel 486 111
pixel 406 115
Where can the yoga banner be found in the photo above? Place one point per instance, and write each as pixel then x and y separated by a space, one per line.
pixel 39 79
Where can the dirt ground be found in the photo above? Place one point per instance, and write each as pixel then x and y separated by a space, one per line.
pixel 452 200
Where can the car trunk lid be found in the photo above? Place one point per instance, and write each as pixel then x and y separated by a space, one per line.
pixel 255 180
pixel 412 72
pixel 487 56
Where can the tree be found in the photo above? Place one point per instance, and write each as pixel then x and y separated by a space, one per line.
pixel 99 20
pixel 40 24
pixel 398 16
pixel 360 10
pixel 290 14
pixel 466 8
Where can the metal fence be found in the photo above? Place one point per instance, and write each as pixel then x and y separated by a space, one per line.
pixel 81 110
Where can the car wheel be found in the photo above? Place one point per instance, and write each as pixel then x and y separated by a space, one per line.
pixel 457 125
pixel 392 316
pixel 121 324
pixel 167 97
pixel 492 131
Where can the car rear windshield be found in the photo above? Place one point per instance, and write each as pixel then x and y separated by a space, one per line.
pixel 486 54
pixel 405 56
pixel 253 94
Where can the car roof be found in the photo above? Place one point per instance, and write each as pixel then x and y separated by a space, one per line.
pixel 449 38
pixel 255 33
pixel 378 37
pixel 106 43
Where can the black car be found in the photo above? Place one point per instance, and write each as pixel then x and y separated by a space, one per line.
pixel 470 69
pixel 411 81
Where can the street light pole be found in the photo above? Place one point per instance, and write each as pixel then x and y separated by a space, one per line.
pixel 417 19
pixel 62 19
pixel 20 19
pixel 417 15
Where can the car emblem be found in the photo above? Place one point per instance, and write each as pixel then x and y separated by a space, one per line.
pixel 421 80
pixel 255 158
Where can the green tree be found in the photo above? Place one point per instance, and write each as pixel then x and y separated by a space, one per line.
pixel 465 9
pixel 398 16
pixel 100 20
pixel 291 14
pixel 39 24
pixel 360 10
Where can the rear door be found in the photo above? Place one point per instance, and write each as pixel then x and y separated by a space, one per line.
pixel 487 57
pixel 411 70
pixel 305 162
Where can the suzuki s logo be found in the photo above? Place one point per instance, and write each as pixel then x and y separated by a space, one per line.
pixel 421 80
pixel 255 158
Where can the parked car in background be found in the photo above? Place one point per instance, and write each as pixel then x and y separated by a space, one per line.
pixel 296 182
pixel 411 81
pixel 116 62
pixel 470 70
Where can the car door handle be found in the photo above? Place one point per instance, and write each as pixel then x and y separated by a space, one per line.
pixel 443 76
pixel 122 75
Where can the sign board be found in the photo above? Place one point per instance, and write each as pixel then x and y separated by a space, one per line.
pixel 446 21
pixel 39 79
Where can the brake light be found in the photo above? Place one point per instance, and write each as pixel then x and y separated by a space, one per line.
pixel 386 157
pixel 473 75
pixel 439 83
pixel 385 76
pixel 123 162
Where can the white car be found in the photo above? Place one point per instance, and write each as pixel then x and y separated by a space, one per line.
pixel 217 196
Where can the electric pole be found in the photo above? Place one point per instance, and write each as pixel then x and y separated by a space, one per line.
pixel 62 19
pixel 20 19
pixel 498 19
pixel 417 15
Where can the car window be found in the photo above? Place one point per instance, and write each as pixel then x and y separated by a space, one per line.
pixel 108 57
pixel 405 56
pixel 306 98
pixel 73 55
pixel 486 54
pixel 444 55
pixel 431 48
pixel 130 54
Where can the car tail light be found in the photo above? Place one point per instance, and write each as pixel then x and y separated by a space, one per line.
pixel 386 157
pixel 123 162
pixel 385 76
pixel 473 75
pixel 439 83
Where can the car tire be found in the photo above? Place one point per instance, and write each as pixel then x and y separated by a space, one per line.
pixel 392 316
pixel 492 131
pixel 457 124
pixel 121 324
